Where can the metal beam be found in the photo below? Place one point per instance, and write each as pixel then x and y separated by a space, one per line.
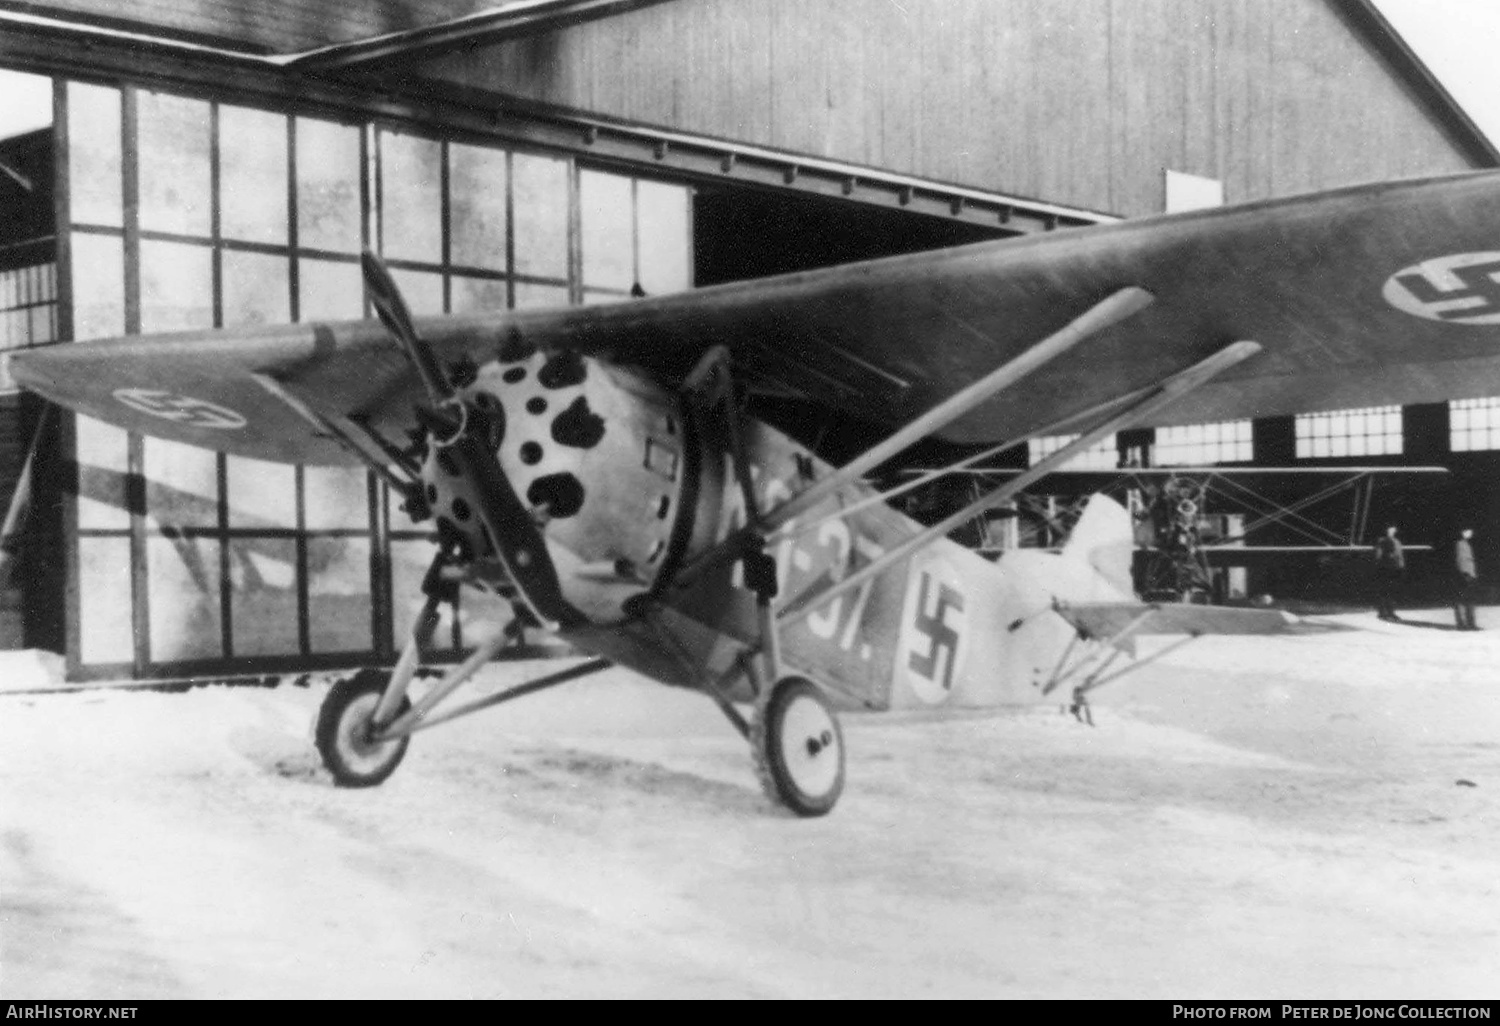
pixel 485 27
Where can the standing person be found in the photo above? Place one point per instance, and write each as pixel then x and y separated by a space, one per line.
pixel 1468 577
pixel 1390 565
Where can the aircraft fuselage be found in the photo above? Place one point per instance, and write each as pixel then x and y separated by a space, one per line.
pixel 628 489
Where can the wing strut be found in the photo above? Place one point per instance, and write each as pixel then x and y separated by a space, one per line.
pixel 1170 390
pixel 1099 656
pixel 369 450
pixel 707 386
pixel 1111 310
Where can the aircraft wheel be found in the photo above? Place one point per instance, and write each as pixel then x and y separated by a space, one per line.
pixel 799 748
pixel 343 732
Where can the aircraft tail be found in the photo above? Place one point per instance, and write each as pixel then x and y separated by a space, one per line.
pixel 1104 538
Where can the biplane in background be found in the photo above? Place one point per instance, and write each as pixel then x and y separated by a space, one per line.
pixel 606 470
pixel 1197 529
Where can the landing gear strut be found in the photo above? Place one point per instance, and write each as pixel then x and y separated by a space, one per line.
pixel 794 736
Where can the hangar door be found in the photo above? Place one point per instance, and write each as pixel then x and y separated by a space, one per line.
pixel 183 212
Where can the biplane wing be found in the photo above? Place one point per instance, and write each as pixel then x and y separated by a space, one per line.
pixel 1368 295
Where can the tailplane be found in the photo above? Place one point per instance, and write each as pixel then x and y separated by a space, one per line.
pixel 1104 538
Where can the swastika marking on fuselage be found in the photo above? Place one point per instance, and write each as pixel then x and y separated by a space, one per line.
pixel 943 638
pixel 1462 288
pixel 180 409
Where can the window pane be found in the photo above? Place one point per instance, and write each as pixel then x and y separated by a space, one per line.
pixel 1371 431
pixel 182 581
pixel 182 484
pixel 28 102
pixel 102 469
pixel 328 176
pixel 176 286
pixel 263 596
pixel 606 218
pixel 411 197
pixel 105 634
pixel 540 186
pixel 1472 424
pixel 531 296
pixel 174 162
pixel 664 227
pixel 338 594
pixel 98 286
pixel 1219 442
pixel 336 497
pixel 594 298
pixel 256 289
pixel 423 291
pixel 1102 455
pixel 329 290
pixel 252 175
pixel 94 176
pixel 261 494
pixel 472 295
pixel 476 206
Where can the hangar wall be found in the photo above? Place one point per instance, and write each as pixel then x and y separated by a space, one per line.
pixel 1082 102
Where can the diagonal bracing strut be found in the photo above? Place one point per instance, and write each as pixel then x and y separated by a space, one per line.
pixel 1170 390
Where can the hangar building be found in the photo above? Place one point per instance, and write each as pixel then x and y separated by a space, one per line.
pixel 188 163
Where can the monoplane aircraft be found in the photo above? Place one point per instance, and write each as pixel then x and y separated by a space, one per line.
pixel 597 467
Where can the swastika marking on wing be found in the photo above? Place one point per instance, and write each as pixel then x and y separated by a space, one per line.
pixel 180 409
pixel 1461 288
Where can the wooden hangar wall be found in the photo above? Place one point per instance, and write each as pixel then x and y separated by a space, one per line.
pixel 1082 102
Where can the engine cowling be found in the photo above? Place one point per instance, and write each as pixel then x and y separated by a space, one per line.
pixel 596 452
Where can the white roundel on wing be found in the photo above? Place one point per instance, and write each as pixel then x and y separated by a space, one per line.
pixel 934 632
pixel 180 409
pixel 1460 288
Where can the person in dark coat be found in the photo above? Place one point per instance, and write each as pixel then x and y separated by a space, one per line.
pixel 1466 580
pixel 1390 567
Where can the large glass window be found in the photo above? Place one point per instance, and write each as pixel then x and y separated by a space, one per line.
pixel 1370 431
pixel 28 310
pixel 229 215
pixel 1102 455
pixel 1474 424
pixel 1227 441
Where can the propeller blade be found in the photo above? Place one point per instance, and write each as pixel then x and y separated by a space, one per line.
pixel 391 307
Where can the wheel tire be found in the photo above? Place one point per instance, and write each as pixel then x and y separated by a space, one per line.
pixel 343 732
pixel 799 748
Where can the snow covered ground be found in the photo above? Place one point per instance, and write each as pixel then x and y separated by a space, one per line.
pixel 1311 817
